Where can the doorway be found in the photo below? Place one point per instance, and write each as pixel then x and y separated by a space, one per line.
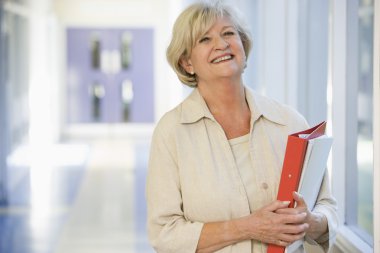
pixel 110 75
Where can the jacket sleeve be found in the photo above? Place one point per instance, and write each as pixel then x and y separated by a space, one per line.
pixel 168 229
pixel 326 205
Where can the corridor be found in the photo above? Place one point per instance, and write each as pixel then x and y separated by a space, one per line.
pixel 83 83
pixel 91 200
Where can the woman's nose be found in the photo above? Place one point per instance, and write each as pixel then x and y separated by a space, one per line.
pixel 221 43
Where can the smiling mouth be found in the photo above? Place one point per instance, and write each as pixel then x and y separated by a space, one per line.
pixel 223 58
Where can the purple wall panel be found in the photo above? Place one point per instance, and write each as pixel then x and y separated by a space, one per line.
pixel 142 66
pixel 81 76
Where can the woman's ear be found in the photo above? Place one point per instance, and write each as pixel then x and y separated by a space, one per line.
pixel 186 64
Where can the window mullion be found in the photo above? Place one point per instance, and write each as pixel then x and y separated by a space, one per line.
pixel 376 126
pixel 351 187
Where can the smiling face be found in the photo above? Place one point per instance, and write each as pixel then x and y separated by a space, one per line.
pixel 219 53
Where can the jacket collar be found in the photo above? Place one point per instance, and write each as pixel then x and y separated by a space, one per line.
pixel 194 108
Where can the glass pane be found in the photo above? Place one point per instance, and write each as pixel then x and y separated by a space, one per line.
pixel 127 98
pixel 97 94
pixel 126 51
pixel 95 51
pixel 365 118
pixel 16 78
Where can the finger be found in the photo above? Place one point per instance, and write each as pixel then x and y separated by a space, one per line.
pixel 296 229
pixel 299 199
pixel 288 211
pixel 280 242
pixel 290 238
pixel 293 218
pixel 295 210
pixel 273 206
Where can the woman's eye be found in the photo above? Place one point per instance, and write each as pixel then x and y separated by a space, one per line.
pixel 204 39
pixel 229 33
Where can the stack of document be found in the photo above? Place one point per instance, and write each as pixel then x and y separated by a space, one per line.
pixel 303 171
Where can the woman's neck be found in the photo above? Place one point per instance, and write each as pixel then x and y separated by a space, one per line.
pixel 226 102
pixel 224 96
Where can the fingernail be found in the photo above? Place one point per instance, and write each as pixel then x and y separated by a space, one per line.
pixel 286 202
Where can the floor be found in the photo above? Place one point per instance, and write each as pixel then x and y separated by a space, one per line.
pixel 80 197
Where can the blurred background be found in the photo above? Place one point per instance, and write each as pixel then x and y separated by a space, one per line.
pixel 83 82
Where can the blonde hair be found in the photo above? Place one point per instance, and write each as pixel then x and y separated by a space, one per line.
pixel 191 24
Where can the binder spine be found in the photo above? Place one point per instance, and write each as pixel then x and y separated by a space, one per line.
pixel 290 176
pixel 292 168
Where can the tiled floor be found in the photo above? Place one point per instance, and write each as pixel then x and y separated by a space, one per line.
pixel 94 206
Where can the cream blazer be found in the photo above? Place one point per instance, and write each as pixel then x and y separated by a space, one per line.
pixel 193 179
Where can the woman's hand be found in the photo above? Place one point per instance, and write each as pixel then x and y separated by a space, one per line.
pixel 274 223
pixel 317 222
pixel 270 225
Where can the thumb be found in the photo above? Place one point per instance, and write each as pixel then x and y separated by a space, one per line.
pixel 299 199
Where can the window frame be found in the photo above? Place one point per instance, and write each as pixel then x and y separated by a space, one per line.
pixel 376 127
pixel 3 111
pixel 343 74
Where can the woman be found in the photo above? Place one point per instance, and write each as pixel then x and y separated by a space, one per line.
pixel 216 158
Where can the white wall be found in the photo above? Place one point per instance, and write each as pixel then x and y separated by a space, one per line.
pixel 290 52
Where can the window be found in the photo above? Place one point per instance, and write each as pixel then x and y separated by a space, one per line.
pixel 364 206
pixel 352 83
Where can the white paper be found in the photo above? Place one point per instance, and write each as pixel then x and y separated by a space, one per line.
pixel 314 168
pixel 313 171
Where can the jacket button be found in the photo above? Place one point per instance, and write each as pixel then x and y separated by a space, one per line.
pixel 264 186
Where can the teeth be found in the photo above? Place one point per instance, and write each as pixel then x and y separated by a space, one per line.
pixel 227 57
